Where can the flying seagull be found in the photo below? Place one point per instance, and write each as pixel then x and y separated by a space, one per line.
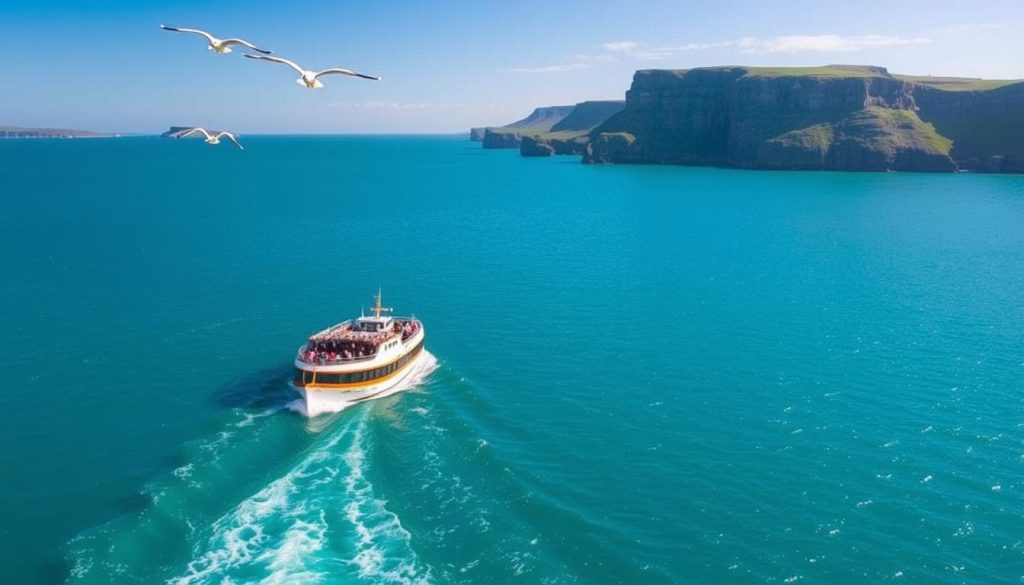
pixel 310 78
pixel 213 138
pixel 216 45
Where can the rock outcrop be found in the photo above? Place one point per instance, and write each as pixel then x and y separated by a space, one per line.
pixel 532 146
pixel 569 136
pixel 836 118
pixel 550 143
pixel 552 130
pixel 508 136
pixel 502 138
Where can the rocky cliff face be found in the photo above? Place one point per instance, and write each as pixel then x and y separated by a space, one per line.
pixel 551 143
pixel 531 146
pixel 841 118
pixel 509 135
pixel 568 136
pixel 501 138
pixel 986 127
pixel 557 127
pixel 585 116
pixel 542 119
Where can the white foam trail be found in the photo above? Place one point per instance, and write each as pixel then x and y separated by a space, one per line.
pixel 377 529
pixel 300 542
pixel 239 538
pixel 282 533
pixel 250 417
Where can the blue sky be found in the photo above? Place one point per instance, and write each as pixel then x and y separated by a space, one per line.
pixel 445 66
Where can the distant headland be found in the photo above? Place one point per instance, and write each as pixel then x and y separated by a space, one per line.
pixel 837 117
pixel 19 132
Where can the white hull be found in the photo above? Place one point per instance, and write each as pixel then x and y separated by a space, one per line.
pixel 320 400
pixel 357 360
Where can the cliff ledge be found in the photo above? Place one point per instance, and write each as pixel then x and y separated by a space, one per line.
pixel 840 117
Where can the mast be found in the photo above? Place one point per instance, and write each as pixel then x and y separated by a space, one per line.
pixel 377 308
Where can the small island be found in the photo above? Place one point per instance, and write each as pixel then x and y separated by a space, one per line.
pixel 20 132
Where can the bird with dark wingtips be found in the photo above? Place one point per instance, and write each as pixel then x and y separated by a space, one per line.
pixel 212 138
pixel 311 79
pixel 216 45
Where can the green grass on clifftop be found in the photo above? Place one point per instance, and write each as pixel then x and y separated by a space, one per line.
pixel 958 83
pixel 824 71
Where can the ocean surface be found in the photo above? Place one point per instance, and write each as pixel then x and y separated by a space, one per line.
pixel 637 374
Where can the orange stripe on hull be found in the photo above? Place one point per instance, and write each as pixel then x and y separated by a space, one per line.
pixel 357 385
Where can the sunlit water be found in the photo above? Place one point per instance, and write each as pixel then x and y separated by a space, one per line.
pixel 636 374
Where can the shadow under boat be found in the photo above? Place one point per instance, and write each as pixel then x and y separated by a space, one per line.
pixel 264 388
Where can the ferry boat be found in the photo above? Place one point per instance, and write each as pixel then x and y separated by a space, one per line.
pixel 357 360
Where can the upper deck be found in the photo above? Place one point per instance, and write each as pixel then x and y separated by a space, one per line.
pixel 356 339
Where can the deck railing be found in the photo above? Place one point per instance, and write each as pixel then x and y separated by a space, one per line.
pixel 323 361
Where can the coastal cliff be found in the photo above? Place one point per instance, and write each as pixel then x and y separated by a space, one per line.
pixel 834 118
pixel 570 135
pixel 508 136
pixel 986 126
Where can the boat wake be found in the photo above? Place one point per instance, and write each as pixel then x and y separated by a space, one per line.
pixel 267 499
pixel 301 527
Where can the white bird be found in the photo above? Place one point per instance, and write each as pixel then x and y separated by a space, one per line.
pixel 213 138
pixel 310 78
pixel 216 45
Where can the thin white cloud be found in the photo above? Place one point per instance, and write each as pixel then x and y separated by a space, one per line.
pixel 551 68
pixel 824 43
pixel 620 46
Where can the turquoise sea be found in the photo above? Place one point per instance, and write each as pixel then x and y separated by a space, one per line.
pixel 643 374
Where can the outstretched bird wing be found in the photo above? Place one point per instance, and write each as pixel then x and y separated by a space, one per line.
pixel 340 71
pixel 193 131
pixel 196 31
pixel 232 138
pixel 244 43
pixel 278 60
